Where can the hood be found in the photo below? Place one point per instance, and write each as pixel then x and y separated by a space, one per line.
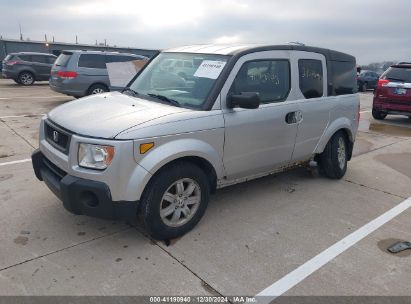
pixel 106 115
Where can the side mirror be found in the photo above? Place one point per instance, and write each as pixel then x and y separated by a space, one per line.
pixel 245 100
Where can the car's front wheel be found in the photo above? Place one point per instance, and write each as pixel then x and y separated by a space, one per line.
pixel 333 161
pixel 378 115
pixel 26 78
pixel 175 200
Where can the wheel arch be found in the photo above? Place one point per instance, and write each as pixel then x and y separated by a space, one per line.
pixel 340 125
pixel 97 83
pixel 26 70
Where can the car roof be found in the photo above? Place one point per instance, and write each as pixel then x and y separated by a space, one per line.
pixel 402 65
pixel 101 52
pixel 32 53
pixel 242 49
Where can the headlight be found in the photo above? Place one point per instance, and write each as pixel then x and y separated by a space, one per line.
pixel 95 156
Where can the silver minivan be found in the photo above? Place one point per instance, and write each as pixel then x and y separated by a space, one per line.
pixel 79 73
pixel 162 146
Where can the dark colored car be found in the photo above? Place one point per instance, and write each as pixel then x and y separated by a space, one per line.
pixel 367 80
pixel 80 73
pixel 27 67
pixel 393 93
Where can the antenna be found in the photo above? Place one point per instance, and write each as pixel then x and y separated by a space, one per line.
pixel 21 35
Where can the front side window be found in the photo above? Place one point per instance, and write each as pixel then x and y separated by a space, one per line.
pixel 269 78
pixel 311 78
pixel 95 61
pixel 161 82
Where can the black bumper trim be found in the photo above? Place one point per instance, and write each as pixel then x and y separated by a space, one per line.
pixel 81 196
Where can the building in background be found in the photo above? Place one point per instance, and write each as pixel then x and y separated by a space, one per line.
pixel 8 46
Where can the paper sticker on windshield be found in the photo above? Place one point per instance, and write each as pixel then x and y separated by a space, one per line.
pixel 210 69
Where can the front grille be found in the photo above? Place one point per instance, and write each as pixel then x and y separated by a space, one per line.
pixel 54 169
pixel 57 137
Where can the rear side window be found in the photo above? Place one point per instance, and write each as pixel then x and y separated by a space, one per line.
pixel 120 58
pixel 39 58
pixel 51 59
pixel 311 78
pixel 63 59
pixel 269 78
pixel 25 57
pixel 8 57
pixel 94 61
pixel 343 77
pixel 397 74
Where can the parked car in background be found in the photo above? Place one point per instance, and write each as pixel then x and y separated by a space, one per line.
pixel 163 145
pixel 183 68
pixel 367 80
pixel 80 73
pixel 27 67
pixel 393 93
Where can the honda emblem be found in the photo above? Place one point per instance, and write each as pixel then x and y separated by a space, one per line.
pixel 55 136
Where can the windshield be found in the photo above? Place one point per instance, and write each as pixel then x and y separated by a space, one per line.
pixel 180 79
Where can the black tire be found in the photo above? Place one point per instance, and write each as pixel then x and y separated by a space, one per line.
pixel 16 81
pixel 97 89
pixel 364 87
pixel 25 78
pixel 152 200
pixel 378 115
pixel 328 161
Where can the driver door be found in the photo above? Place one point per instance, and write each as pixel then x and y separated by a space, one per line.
pixel 259 140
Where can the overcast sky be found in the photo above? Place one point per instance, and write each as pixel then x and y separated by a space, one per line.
pixel 371 30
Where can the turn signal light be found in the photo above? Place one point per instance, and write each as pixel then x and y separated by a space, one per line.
pixel 145 147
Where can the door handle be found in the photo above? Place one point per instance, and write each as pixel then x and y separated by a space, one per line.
pixel 294 117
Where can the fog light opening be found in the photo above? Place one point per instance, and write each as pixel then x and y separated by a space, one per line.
pixel 89 199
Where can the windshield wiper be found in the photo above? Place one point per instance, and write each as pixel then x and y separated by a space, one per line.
pixel 165 98
pixel 128 89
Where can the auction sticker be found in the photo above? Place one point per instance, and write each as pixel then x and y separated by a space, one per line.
pixel 210 69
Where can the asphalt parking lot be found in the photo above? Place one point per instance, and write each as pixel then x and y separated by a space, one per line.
pixel 252 236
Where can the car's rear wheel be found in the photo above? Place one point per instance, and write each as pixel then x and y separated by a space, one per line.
pixel 364 87
pixel 97 89
pixel 378 115
pixel 26 78
pixel 16 81
pixel 175 200
pixel 333 161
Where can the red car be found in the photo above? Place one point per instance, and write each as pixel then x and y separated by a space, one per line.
pixel 393 92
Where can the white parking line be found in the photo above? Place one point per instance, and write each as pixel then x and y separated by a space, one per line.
pixel 15 162
pixel 366 111
pixel 34 97
pixel 25 115
pixel 293 278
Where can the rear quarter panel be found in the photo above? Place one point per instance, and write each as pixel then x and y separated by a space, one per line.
pixel 343 115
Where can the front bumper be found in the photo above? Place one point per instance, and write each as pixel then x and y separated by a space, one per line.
pixel 81 196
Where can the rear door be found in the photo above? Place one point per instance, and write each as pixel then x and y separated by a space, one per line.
pixel 314 107
pixel 41 66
